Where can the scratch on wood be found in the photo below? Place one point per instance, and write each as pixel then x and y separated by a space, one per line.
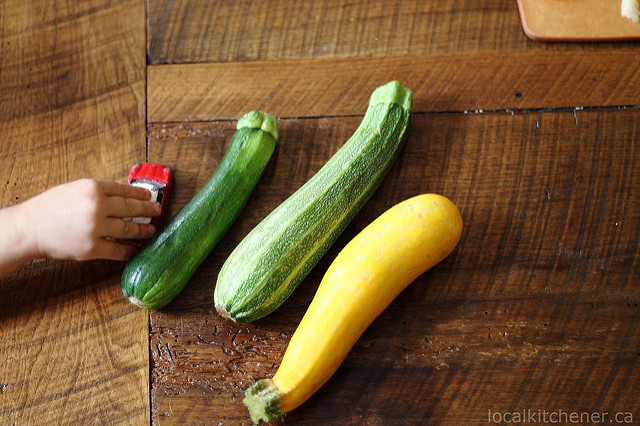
pixel 208 342
pixel 575 114
pixel 170 351
pixel 233 341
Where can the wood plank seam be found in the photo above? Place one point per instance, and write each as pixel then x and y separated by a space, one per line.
pixel 509 111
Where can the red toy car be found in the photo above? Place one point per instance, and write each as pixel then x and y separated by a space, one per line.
pixel 159 180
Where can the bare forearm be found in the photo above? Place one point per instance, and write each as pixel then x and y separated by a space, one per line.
pixel 17 242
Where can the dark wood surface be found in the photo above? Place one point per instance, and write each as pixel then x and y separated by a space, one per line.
pixel 536 143
pixel 536 308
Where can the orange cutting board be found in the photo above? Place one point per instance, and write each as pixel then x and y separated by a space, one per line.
pixel 576 20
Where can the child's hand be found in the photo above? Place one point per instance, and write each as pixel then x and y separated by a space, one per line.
pixel 81 220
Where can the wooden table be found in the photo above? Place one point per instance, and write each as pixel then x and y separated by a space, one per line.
pixel 534 314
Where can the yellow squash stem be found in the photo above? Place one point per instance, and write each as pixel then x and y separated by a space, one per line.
pixel 371 270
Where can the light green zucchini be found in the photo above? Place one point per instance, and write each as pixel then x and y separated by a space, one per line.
pixel 270 262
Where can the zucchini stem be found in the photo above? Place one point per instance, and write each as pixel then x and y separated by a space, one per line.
pixel 139 303
pixel 224 314
pixel 264 401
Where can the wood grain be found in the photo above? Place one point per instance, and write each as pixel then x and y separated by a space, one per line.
pixel 187 31
pixel 441 83
pixel 72 105
pixel 536 309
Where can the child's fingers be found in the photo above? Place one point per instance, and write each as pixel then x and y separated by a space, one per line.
pixel 112 188
pixel 130 207
pixel 120 228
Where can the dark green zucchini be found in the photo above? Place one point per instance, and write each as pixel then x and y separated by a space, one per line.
pixel 162 268
pixel 280 251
